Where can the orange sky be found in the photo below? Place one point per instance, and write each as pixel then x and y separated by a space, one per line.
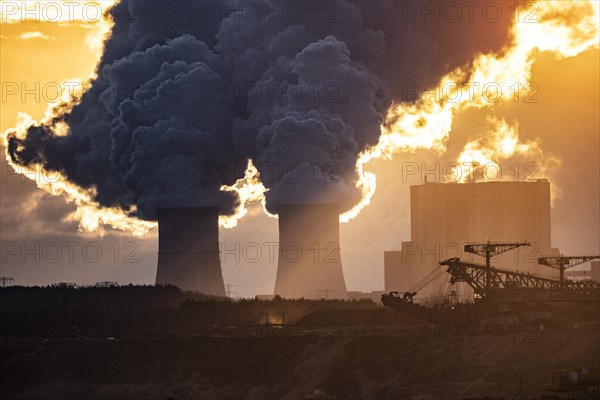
pixel 61 55
pixel 566 120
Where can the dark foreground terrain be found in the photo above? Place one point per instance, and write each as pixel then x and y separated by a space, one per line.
pixel 161 344
pixel 449 362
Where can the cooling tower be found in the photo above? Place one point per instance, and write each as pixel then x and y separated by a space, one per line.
pixel 188 249
pixel 309 252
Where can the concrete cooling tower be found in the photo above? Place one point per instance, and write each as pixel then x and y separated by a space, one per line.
pixel 188 249
pixel 309 263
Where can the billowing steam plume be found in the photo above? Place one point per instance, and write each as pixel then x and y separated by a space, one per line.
pixel 187 92
pixel 563 28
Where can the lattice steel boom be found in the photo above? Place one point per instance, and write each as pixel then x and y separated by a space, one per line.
pixel 563 263
pixel 486 280
pixel 490 249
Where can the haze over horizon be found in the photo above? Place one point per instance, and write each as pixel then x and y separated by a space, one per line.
pixel 562 122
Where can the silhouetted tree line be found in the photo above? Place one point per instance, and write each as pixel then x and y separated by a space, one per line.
pixel 88 312
pixel 130 297
pixel 276 311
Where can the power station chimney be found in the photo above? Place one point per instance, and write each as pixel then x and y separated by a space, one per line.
pixel 309 252
pixel 188 249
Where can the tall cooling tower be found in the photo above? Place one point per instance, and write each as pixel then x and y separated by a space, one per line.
pixel 309 252
pixel 188 249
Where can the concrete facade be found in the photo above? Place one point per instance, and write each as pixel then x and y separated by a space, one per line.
pixel 446 216
pixel 592 274
pixel 309 262
pixel 188 249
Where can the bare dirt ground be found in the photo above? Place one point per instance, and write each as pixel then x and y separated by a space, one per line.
pixel 447 362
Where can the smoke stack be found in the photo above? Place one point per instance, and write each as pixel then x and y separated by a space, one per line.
pixel 188 249
pixel 309 252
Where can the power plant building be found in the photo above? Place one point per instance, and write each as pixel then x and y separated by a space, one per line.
pixel 188 249
pixel 309 264
pixel 592 274
pixel 446 216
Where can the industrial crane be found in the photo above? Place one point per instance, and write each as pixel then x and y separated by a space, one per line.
pixel 505 281
pixel 563 263
pixel 489 250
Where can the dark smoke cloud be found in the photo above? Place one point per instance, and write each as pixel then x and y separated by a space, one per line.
pixel 188 91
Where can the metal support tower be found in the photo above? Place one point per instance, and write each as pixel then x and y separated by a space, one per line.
pixel 563 263
pixel 490 249
pixel 4 280
pixel 228 291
